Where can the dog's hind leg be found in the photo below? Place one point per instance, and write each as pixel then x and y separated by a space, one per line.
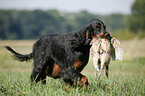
pixel 38 75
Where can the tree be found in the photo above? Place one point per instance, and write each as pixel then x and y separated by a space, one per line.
pixel 9 26
pixel 136 21
pixel 32 24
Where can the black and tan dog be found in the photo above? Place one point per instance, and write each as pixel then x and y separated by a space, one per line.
pixel 65 55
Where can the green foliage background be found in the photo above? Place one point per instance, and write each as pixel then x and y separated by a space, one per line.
pixel 26 24
pixel 136 20
pixel 32 24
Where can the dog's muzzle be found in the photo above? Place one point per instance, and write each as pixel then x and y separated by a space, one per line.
pixel 101 35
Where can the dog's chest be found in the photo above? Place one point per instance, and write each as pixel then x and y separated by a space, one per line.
pixel 80 60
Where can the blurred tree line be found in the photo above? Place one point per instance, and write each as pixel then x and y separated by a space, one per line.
pixel 26 24
pixel 32 24
pixel 136 21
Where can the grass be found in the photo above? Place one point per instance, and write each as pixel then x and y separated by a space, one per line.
pixel 18 83
pixel 126 78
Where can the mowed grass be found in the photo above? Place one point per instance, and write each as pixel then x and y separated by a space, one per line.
pixel 126 78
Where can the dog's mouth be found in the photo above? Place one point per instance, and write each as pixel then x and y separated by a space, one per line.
pixel 101 35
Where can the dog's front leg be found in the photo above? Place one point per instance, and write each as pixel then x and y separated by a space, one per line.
pixel 83 82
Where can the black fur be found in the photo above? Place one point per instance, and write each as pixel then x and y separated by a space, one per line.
pixel 18 56
pixel 70 75
pixel 51 51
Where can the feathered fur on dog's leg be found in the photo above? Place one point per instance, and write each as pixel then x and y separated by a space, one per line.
pixel 72 77
pixel 83 82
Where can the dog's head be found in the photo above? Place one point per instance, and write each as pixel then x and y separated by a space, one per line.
pixel 96 28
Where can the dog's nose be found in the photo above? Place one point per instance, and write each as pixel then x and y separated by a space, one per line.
pixel 107 35
pixel 101 35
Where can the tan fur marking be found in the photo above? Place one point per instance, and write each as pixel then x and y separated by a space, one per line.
pixel 68 87
pixel 99 35
pixel 83 82
pixel 77 64
pixel 56 70
pixel 87 35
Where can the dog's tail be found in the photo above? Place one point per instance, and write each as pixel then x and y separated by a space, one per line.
pixel 18 56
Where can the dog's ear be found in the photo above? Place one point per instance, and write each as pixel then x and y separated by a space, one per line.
pixel 116 50
pixel 89 32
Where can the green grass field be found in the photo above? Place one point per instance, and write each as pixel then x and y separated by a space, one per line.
pixel 126 78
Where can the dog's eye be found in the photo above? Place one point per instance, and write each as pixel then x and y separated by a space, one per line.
pixel 98 26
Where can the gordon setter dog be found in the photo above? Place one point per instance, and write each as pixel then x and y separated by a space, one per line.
pixel 63 56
